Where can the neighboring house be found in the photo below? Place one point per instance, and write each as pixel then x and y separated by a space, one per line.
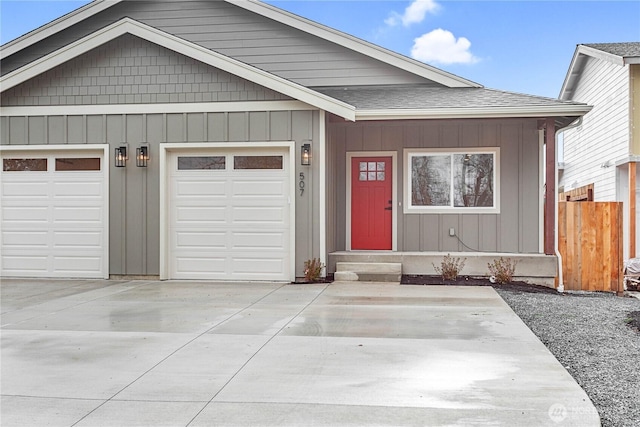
pixel 263 139
pixel 601 153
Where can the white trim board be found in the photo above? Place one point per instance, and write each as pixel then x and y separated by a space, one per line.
pixel 192 50
pixel 394 193
pixel 191 107
pixel 474 112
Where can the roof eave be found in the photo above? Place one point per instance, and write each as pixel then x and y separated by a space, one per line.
pixel 473 113
pixel 573 73
pixel 55 26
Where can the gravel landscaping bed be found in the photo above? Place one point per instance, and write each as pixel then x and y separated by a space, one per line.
pixel 596 337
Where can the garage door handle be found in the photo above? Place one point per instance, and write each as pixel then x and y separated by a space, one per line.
pixel 388 208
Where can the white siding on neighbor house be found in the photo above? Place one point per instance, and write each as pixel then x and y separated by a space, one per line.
pixel 604 134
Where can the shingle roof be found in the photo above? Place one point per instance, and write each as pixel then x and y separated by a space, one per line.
pixel 624 50
pixel 429 97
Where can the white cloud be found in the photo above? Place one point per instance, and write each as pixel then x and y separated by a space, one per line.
pixel 441 46
pixel 413 14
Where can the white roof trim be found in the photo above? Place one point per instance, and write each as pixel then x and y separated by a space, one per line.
pixel 354 43
pixel 199 53
pixel 600 54
pixel 473 113
pixel 55 26
pixel 177 107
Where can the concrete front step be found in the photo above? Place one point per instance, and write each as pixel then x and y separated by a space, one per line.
pixel 368 272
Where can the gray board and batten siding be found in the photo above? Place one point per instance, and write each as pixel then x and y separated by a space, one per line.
pixel 240 34
pixel 515 229
pixel 131 70
pixel 134 193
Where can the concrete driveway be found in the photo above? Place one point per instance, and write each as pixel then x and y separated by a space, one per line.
pixel 142 353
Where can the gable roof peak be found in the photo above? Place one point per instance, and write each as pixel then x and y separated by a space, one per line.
pixel 621 54
pixel 268 11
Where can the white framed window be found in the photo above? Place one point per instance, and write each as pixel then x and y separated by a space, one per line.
pixel 455 180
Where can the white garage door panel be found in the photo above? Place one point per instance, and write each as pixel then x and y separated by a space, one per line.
pixel 229 224
pixel 201 268
pixel 25 213
pixel 78 215
pixel 267 216
pixel 201 240
pixel 201 214
pixel 258 266
pixel 22 239
pixel 262 189
pixel 80 240
pixel 200 188
pixel 54 222
pixel 26 265
pixel 257 240
pixel 75 265
pixel 24 189
pixel 79 190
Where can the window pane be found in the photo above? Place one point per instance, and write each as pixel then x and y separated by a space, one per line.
pixel 363 166
pixel 257 162
pixel 431 180
pixel 78 164
pixel 201 162
pixel 380 176
pixel 363 176
pixel 473 180
pixel 24 165
pixel 380 166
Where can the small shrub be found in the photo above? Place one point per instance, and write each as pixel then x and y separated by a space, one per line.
pixel 312 269
pixel 502 270
pixel 450 267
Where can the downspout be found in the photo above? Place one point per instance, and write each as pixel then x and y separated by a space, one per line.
pixel 557 251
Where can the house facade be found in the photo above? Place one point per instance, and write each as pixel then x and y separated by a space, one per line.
pixel 231 140
pixel 601 153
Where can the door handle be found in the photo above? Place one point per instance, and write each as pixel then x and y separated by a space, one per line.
pixel 388 208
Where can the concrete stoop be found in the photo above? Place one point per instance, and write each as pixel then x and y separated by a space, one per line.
pixel 368 272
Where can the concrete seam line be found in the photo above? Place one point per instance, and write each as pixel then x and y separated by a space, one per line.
pixel 177 350
pixel 258 351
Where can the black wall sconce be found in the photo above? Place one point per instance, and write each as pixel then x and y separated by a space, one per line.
pixel 121 157
pixel 142 156
pixel 305 155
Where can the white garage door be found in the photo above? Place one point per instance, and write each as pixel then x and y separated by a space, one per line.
pixel 53 215
pixel 229 215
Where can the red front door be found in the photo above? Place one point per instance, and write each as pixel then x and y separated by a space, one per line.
pixel 371 203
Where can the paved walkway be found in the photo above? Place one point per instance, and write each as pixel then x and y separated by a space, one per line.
pixel 140 353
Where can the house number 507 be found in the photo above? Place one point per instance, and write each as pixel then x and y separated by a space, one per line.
pixel 301 183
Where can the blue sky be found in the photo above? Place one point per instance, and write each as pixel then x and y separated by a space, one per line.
pixel 519 46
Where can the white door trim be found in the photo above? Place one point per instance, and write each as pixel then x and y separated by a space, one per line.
pixel 394 193
pixel 165 149
pixel 101 148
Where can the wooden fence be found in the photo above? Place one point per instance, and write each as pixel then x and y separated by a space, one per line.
pixel 590 242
